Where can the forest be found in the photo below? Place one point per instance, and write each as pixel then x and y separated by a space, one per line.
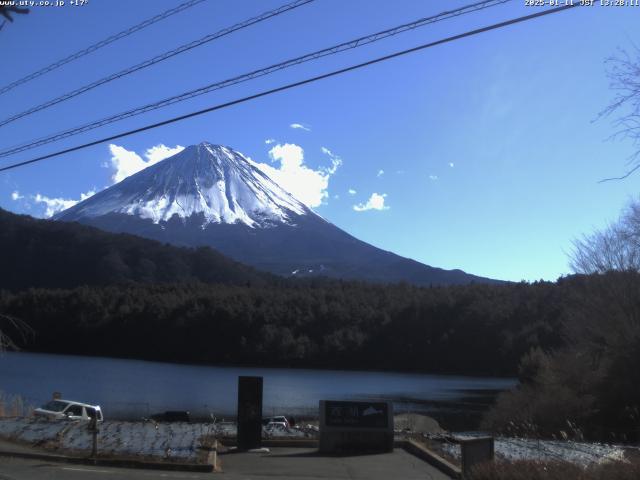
pixel 478 329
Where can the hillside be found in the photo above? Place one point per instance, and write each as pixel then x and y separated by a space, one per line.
pixel 41 253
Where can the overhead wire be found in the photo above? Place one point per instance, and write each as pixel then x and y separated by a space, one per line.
pixel 158 58
pixel 351 44
pixel 296 84
pixel 98 45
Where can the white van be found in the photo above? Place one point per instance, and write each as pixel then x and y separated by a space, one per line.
pixel 70 410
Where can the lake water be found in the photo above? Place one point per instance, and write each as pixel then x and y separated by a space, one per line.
pixel 134 388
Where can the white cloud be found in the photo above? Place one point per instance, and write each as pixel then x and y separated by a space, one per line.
pixel 326 151
pixel 84 196
pixel 375 202
pixel 160 152
pixel 352 191
pixel 299 126
pixel 451 164
pixel 433 177
pixel 55 205
pixel 304 183
pixel 125 163
pixel 380 173
pixel 290 155
pixel 336 161
pixel 16 195
pixel 269 141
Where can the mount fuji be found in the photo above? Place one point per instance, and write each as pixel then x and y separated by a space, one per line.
pixel 211 195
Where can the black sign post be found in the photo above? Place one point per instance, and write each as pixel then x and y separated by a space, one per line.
pixel 93 430
pixel 249 412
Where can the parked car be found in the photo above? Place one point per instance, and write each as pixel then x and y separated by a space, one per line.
pixel 69 410
pixel 276 427
pixel 279 419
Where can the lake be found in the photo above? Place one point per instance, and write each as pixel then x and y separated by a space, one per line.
pixel 134 388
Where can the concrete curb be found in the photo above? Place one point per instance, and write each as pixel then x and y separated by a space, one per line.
pixel 120 463
pixel 433 459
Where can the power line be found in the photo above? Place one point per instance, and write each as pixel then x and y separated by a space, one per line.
pixel 358 42
pixel 158 58
pixel 295 84
pixel 100 44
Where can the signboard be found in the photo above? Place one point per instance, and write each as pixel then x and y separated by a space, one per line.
pixel 355 426
pixel 249 412
pixel 356 414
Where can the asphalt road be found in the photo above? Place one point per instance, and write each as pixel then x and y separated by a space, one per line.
pixel 22 469
pixel 292 464
pixel 308 464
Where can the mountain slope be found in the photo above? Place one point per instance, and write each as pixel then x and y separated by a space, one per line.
pixel 210 195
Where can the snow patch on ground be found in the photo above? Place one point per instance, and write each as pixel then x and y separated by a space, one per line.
pixel 31 431
pixel 178 441
pixel 580 453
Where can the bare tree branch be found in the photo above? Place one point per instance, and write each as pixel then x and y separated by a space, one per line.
pixel 623 176
pixel 7 10
pixel 623 72
pixel 614 248
pixel 18 328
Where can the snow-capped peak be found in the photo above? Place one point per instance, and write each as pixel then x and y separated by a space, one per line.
pixel 212 180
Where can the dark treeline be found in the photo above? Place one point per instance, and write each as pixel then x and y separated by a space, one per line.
pixel 476 329
pixel 40 253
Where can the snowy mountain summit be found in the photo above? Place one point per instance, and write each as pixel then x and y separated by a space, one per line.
pixel 215 181
pixel 210 195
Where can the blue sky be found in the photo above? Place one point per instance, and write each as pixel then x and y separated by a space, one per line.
pixel 490 146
